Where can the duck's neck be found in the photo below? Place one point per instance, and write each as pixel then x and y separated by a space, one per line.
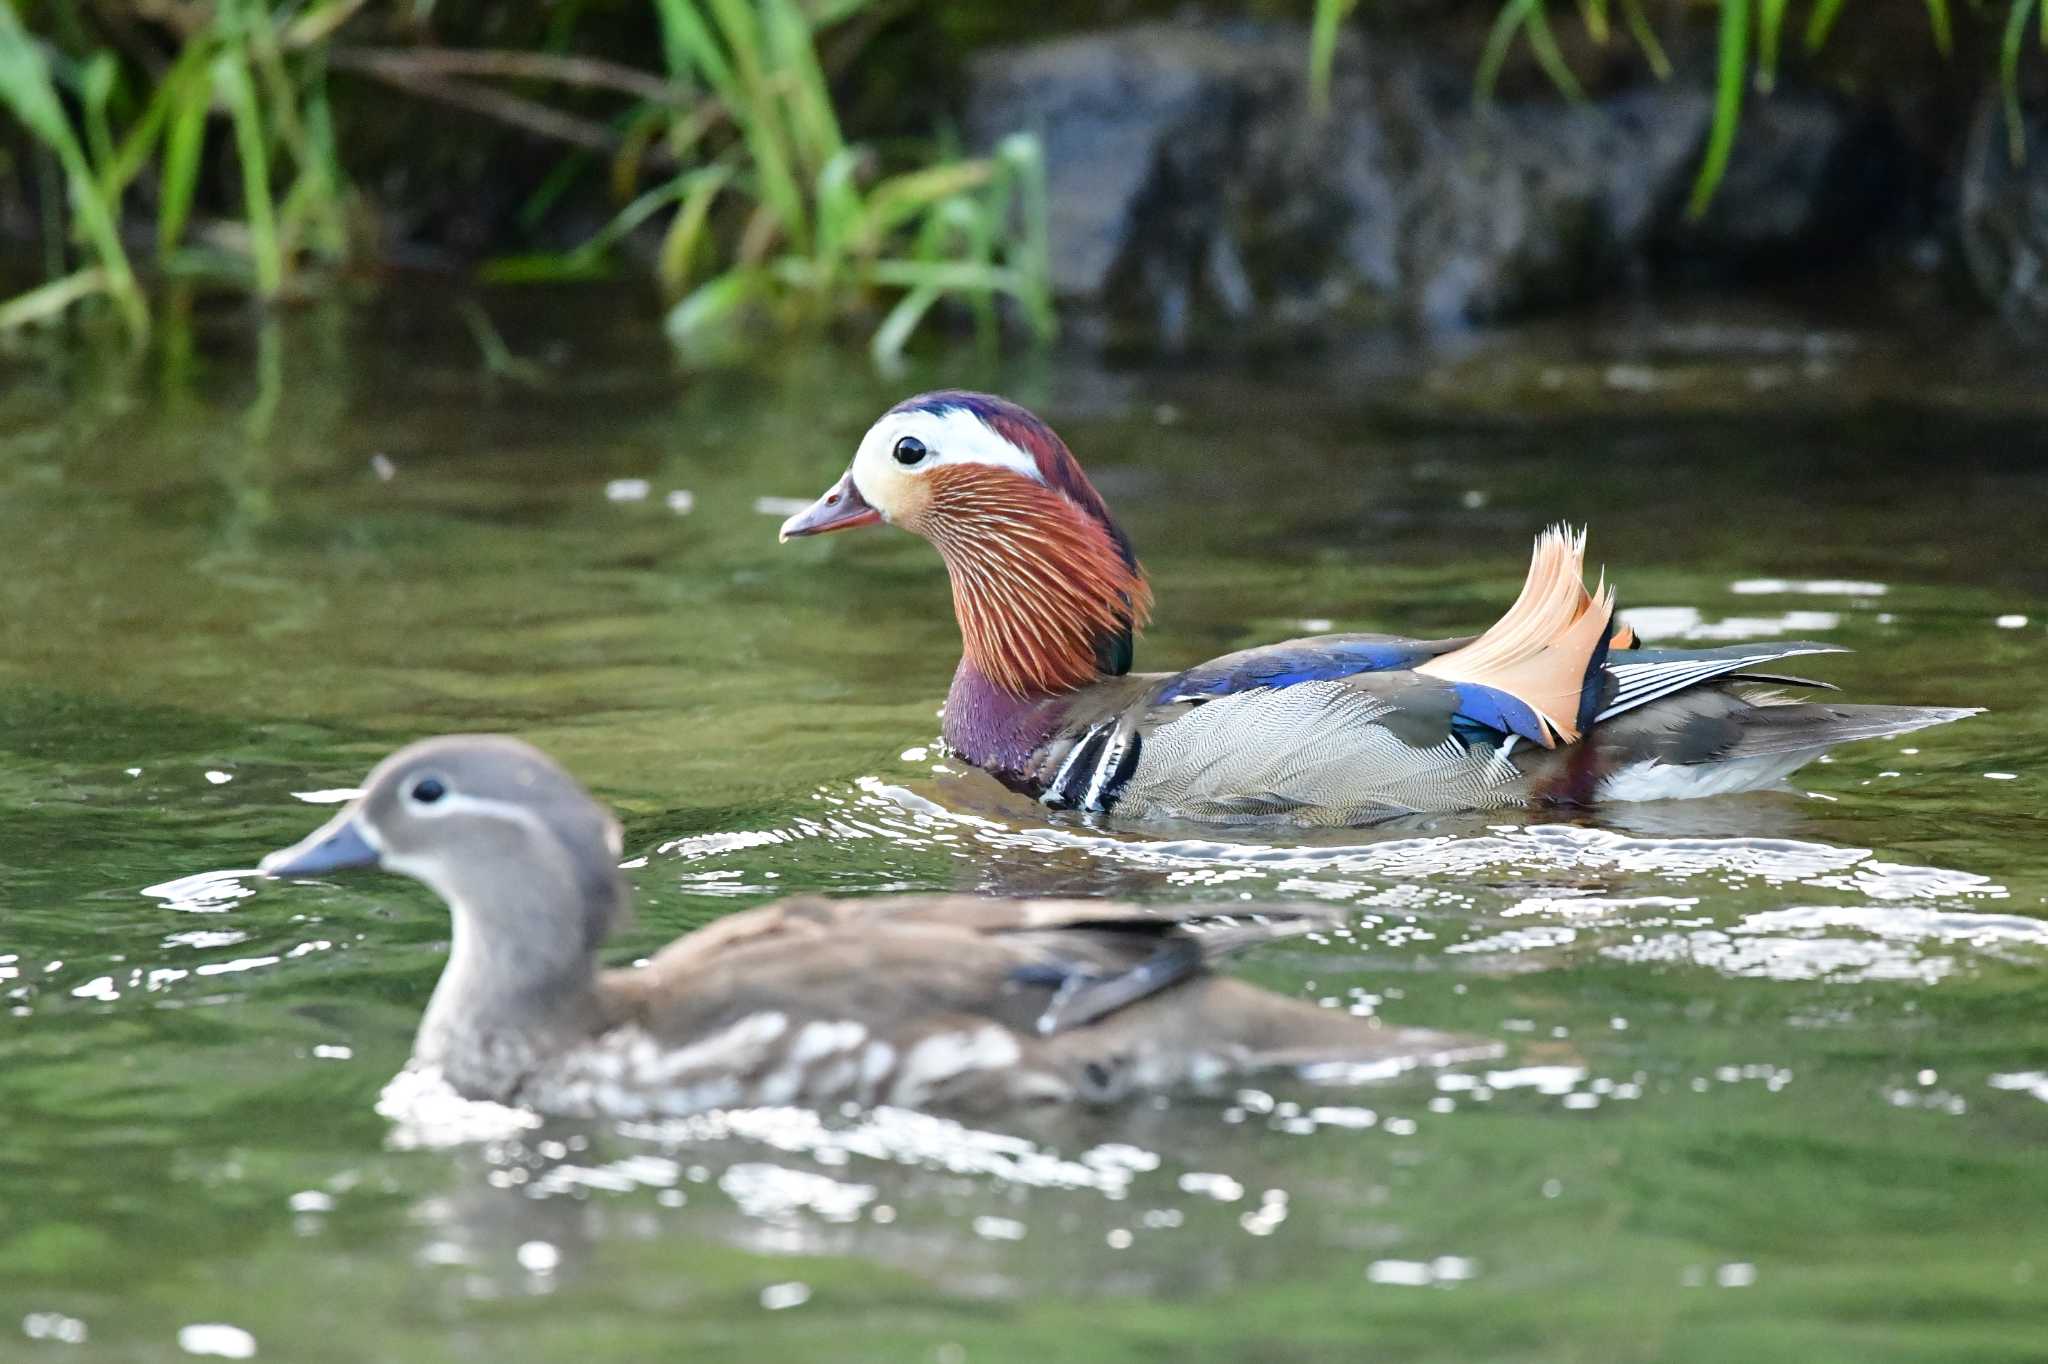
pixel 994 728
pixel 1048 598
pixel 520 986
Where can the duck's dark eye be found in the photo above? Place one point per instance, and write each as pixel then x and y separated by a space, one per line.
pixel 909 450
pixel 427 790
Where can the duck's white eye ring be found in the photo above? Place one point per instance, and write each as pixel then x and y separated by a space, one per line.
pixel 427 790
pixel 909 451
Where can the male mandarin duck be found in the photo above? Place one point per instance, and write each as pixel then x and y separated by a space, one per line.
pixel 1552 705
pixel 931 1001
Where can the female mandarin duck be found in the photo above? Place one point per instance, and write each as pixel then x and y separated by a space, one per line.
pixel 929 1001
pixel 1551 705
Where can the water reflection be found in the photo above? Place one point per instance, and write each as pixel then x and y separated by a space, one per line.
pixel 948 1201
pixel 1843 943
pixel 1474 851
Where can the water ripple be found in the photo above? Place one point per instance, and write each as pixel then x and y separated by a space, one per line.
pixel 895 814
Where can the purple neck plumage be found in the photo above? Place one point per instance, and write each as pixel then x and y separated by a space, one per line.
pixel 995 730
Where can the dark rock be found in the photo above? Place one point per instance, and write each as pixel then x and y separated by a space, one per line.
pixel 1810 177
pixel 1526 206
pixel 1146 133
pixel 1195 195
pixel 2005 215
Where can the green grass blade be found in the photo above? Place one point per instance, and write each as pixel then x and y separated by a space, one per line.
pixel 143 135
pixel 1943 29
pixel 1646 38
pixel 1595 14
pixel 323 166
pixel 961 276
pixel 231 81
pixel 690 48
pixel 556 183
pixel 1549 56
pixel 1821 23
pixel 284 122
pixel 780 190
pixel 49 300
pixel 837 211
pixel 1494 55
pixel 1518 16
pixel 1734 52
pixel 900 198
pixel 178 180
pixel 26 85
pixel 543 267
pixel 97 77
pixel 1024 158
pixel 956 244
pixel 631 216
pixel 887 344
pixel 776 152
pixel 27 89
pixel 1770 20
pixel 499 360
pixel 679 245
pixel 714 306
pixel 735 71
pixel 1322 49
pixel 796 61
pixel 739 24
pixel 643 128
pixel 2009 78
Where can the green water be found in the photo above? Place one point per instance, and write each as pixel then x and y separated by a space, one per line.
pixel 1776 1082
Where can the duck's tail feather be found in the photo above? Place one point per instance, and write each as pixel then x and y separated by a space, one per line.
pixel 1772 726
pixel 1551 640
pixel 1232 1027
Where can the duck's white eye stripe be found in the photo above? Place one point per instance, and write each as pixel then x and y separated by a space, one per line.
pixel 953 435
pixel 455 803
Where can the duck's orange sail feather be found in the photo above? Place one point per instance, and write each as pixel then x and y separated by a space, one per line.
pixel 1539 651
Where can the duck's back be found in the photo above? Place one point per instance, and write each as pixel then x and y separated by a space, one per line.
pixel 1350 750
pixel 951 1002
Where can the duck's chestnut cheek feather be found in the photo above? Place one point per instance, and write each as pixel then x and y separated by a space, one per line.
pixel 841 508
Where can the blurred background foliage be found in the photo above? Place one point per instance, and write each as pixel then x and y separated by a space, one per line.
pixel 277 149
pixel 216 125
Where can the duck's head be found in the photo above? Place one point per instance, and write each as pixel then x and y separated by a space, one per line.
pixel 492 825
pixel 1046 587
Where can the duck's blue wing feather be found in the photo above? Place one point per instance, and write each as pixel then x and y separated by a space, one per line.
pixel 1619 683
pixel 1483 712
pixel 1494 713
pixel 1324 658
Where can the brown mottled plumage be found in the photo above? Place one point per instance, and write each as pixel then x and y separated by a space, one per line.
pixel 944 1001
